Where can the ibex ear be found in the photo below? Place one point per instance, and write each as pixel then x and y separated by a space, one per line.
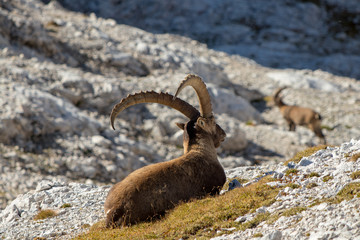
pixel 181 125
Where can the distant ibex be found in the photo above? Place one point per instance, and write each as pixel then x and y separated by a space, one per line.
pixel 295 115
pixel 149 191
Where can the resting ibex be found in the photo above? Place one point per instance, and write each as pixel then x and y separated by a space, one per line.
pixel 149 191
pixel 295 115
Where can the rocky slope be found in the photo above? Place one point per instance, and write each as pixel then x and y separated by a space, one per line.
pixel 320 177
pixel 313 34
pixel 61 72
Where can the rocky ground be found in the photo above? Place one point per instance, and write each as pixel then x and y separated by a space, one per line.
pixel 62 71
pixel 331 171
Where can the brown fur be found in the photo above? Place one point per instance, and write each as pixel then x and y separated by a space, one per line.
pixel 150 191
pixel 295 115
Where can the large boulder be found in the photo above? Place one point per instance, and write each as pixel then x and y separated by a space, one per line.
pixel 30 115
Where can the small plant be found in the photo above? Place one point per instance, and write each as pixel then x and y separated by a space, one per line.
pixel 311 185
pixel 293 185
pixel 327 127
pixel 348 192
pixel 327 178
pixel 313 174
pixel 257 235
pixel 286 213
pixel 43 214
pixel 355 175
pixel 292 171
pixel 250 123
pixel 355 157
pixel 261 217
pixel 66 205
pixel 86 225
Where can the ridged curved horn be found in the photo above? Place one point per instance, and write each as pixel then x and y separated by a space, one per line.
pixel 154 97
pixel 277 98
pixel 202 93
pixel 276 95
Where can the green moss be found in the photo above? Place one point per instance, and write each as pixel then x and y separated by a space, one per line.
pixel 66 205
pixel 43 214
pixel 327 127
pixel 250 123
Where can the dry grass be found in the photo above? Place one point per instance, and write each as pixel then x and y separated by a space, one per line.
pixel 355 175
pixel 286 213
pixel 200 219
pixel 305 153
pixel 355 157
pixel 350 191
pixel 43 214
pixel 327 178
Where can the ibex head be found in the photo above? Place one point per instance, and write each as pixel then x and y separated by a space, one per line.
pixel 202 122
pixel 277 98
pixel 205 122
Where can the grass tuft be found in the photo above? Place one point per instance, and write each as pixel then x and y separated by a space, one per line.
pixel 66 205
pixel 43 214
pixel 291 171
pixel 327 178
pixel 293 185
pixel 311 185
pixel 312 174
pixel 286 213
pixel 348 192
pixel 355 157
pixel 355 175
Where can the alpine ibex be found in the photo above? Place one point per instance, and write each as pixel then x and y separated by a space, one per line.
pixel 149 191
pixel 295 115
